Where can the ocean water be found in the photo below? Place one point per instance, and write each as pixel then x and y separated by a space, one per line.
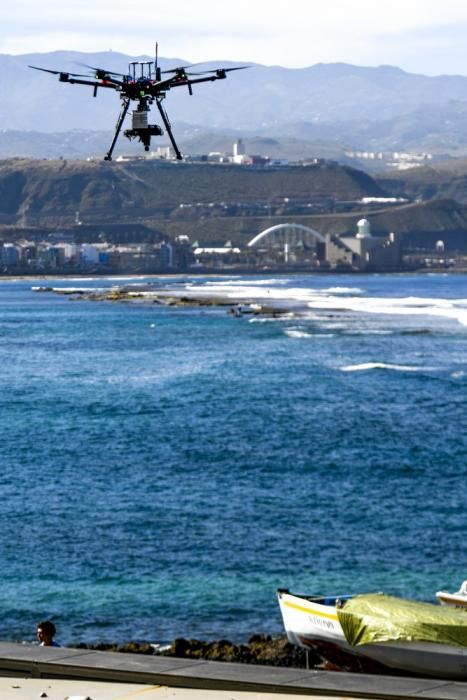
pixel 164 470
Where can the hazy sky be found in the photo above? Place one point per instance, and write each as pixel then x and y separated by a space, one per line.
pixel 421 36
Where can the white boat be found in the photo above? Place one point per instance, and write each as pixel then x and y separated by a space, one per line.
pixel 393 634
pixel 459 599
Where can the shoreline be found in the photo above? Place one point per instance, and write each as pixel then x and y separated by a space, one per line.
pixel 182 298
pixel 260 649
pixel 226 273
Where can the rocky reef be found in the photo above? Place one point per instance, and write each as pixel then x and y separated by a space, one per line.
pixel 237 307
pixel 260 649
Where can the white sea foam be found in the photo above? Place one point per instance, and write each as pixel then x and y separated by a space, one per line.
pixel 126 278
pixel 365 366
pixel 296 333
pixel 334 325
pixel 408 306
pixel 271 319
pixel 342 290
pixel 367 331
pixel 252 283
pixel 85 279
pixel 332 299
pixel 75 290
pixel 230 290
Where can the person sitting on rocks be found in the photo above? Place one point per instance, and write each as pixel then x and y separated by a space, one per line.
pixel 46 633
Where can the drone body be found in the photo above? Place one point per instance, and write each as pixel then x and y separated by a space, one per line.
pixel 143 84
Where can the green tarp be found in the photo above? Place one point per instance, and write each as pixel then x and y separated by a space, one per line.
pixel 367 619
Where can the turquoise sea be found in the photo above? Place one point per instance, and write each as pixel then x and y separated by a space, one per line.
pixel 164 470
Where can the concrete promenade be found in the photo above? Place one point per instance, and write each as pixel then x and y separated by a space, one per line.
pixel 80 673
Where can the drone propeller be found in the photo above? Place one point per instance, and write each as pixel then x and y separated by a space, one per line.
pixel 59 72
pixel 228 70
pixel 180 70
pixel 102 73
pixel 181 74
pixel 218 71
pixel 222 72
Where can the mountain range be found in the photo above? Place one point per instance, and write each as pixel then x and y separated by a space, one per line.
pixel 323 110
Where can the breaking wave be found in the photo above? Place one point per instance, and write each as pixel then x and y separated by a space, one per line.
pixel 365 366
pixel 334 299
pixel 296 333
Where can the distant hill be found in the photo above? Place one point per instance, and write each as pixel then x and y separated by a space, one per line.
pixel 441 129
pixel 445 180
pixel 151 200
pixel 40 192
pixel 341 105
pixel 80 144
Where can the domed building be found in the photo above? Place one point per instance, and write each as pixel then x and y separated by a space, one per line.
pixel 362 250
pixel 363 229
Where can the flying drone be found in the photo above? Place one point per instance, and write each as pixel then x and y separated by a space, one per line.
pixel 144 83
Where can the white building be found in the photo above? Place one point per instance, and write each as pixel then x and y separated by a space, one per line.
pixel 89 254
pixel 238 148
pixel 363 250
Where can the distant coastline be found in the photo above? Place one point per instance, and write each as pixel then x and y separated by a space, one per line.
pixel 222 272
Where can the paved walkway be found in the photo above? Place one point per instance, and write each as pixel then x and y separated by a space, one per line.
pixel 34 688
pixel 185 679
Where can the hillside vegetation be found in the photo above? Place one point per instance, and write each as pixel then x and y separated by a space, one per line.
pixel 444 180
pixel 150 201
pixel 51 192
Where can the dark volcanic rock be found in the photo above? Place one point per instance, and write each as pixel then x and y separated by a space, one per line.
pixel 261 649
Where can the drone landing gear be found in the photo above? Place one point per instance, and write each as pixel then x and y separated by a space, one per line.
pixel 140 127
pixel 165 119
pixel 124 110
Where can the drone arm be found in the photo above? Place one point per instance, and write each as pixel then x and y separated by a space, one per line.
pixel 165 119
pixel 65 78
pixel 209 78
pixel 183 82
pixel 124 110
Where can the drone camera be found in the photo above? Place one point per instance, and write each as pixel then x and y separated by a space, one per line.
pixel 144 134
pixel 141 129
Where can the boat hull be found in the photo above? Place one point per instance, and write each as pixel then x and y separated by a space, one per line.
pixel 457 599
pixel 312 622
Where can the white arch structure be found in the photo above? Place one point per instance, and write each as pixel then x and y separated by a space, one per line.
pixel 289 235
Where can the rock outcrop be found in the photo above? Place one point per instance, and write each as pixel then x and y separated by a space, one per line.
pixel 260 649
